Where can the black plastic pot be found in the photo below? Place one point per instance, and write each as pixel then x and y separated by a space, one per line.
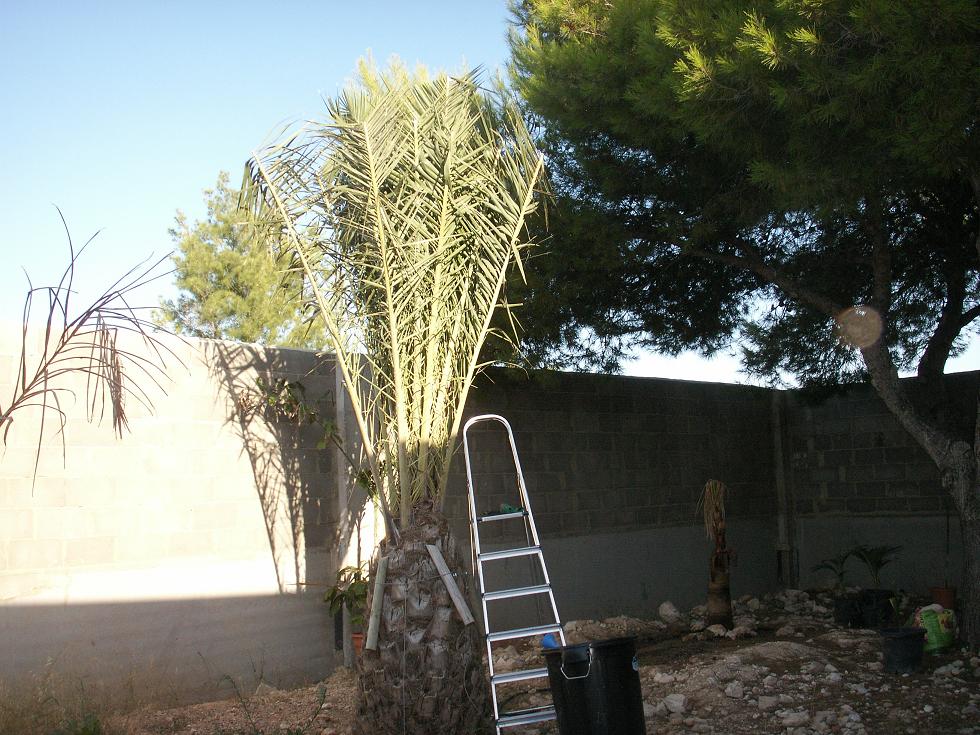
pixel 847 612
pixel 903 649
pixel 876 608
pixel 596 688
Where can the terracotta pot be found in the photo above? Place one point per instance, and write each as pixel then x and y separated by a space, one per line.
pixel 945 596
pixel 357 640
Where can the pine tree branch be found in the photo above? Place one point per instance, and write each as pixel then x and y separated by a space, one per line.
pixel 752 261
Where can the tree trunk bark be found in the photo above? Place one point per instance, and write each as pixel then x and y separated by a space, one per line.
pixel 719 592
pixel 961 479
pixel 970 597
pixel 959 465
pixel 428 674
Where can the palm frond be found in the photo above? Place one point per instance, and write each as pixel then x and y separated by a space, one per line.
pixel 405 209
pixel 86 344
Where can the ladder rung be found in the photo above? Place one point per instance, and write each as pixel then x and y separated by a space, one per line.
pixel 527 717
pixel 519 676
pixel 508 553
pixel 501 516
pixel 517 592
pixel 504 635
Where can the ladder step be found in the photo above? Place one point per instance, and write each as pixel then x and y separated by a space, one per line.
pixel 517 592
pixel 518 676
pixel 501 516
pixel 535 630
pixel 527 717
pixel 508 553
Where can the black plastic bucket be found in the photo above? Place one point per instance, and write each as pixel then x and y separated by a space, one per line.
pixel 568 670
pixel 596 688
pixel 876 608
pixel 847 612
pixel 903 649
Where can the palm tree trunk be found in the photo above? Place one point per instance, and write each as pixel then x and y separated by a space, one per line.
pixel 719 593
pixel 428 674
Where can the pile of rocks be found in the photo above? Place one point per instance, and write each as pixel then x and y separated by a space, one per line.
pixel 802 675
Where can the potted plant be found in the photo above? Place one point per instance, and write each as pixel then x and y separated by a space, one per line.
pixel 847 609
pixel 877 608
pixel 350 592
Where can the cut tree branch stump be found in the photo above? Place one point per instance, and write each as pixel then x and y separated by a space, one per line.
pixel 447 578
pixel 377 599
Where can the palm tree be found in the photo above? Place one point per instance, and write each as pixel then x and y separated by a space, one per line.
pixel 405 211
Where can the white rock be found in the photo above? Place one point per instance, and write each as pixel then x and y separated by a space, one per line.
pixel 795 719
pixel 263 689
pixel 741 631
pixel 675 703
pixel 735 690
pixel 768 703
pixel 753 604
pixel 834 678
pixel 649 710
pixel 717 630
pixel 663 678
pixel 668 612
pixel 697 626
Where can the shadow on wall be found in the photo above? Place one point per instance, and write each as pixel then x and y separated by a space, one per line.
pixel 185 650
pixel 285 411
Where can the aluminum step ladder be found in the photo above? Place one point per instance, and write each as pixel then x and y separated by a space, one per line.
pixel 532 550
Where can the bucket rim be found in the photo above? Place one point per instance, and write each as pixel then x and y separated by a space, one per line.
pixel 902 632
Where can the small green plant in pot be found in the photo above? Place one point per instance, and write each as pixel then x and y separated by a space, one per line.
pixel 847 608
pixel 350 592
pixel 877 608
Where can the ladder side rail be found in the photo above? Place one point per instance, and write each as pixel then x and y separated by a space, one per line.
pixel 522 488
pixel 478 563
pixel 474 526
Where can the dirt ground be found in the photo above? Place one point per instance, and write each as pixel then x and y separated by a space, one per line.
pixel 785 668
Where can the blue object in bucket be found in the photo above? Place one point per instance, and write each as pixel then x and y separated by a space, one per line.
pixel 549 641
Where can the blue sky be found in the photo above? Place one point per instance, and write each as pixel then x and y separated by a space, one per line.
pixel 120 113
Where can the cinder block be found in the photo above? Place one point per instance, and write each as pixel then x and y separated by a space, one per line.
pixel 89 551
pixel 214 516
pixel 35 554
pixel 140 549
pixel 190 543
pixel 64 523
pixel 16 523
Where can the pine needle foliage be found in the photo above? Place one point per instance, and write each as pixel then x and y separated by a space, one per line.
pixel 404 209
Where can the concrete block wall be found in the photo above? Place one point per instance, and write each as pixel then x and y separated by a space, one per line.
pixel 857 477
pixel 614 467
pixel 196 545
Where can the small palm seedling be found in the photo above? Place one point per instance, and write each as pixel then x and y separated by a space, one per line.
pixel 835 565
pixel 875 558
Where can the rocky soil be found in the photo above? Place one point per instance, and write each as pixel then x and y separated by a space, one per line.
pixel 784 668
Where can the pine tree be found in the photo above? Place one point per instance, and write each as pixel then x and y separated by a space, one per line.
pixel 798 176
pixel 232 287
